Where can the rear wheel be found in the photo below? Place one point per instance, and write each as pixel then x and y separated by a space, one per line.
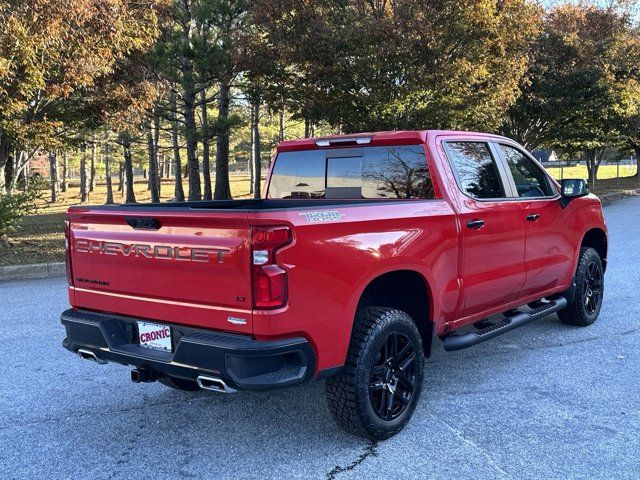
pixel 587 301
pixel 179 383
pixel 377 391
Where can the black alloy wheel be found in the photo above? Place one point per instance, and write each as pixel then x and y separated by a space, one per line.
pixel 376 392
pixel 585 301
pixel 392 378
pixel 592 295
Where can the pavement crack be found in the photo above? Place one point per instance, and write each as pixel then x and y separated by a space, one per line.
pixel 630 332
pixel 459 435
pixel 371 450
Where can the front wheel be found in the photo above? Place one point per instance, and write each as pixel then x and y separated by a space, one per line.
pixel 587 301
pixel 376 392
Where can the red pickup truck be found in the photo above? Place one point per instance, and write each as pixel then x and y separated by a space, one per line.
pixel 365 251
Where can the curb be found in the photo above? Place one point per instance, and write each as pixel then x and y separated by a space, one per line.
pixel 613 197
pixel 38 270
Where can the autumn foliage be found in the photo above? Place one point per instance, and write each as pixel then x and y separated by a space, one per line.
pixel 148 80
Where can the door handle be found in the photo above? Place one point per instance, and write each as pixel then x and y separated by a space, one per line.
pixel 533 217
pixel 476 223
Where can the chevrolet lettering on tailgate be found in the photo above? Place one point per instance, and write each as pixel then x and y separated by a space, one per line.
pixel 165 252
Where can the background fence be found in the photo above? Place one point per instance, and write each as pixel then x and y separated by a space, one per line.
pixel 560 170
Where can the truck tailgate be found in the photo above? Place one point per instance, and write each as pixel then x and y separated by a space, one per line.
pixel 180 266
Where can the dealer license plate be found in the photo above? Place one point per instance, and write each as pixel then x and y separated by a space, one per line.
pixel 153 335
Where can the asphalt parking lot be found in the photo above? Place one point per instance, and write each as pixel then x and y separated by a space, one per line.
pixel 545 401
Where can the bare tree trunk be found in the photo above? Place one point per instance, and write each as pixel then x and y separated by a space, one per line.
pixel 307 128
pixel 5 148
pixel 128 173
pixel 83 175
pixel 84 196
pixel 178 190
pixel 206 156
pixel 120 177
pixel 257 167
pixel 193 168
pixel 21 177
pixel 16 169
pixel 2 180
pixel 156 149
pixel 251 157
pixel 53 175
pixel 281 130
pixel 189 100
pixel 92 168
pixel 65 172
pixel 223 189
pixel 107 169
pixel 593 159
pixel 153 165
pixel 9 172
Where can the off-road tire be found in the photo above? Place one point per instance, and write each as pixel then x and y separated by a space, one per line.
pixel 179 383
pixel 348 392
pixel 579 312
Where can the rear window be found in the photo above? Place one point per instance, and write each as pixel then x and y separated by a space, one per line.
pixel 355 173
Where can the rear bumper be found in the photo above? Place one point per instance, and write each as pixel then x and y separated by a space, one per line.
pixel 240 361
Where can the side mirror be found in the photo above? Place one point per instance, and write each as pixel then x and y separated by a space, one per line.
pixel 571 188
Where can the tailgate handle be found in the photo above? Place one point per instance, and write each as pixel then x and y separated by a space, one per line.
pixel 143 223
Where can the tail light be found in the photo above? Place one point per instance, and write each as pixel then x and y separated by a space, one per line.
pixel 67 251
pixel 269 279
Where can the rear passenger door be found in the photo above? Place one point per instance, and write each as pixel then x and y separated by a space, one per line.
pixel 492 229
pixel 548 247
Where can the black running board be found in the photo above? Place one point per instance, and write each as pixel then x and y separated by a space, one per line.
pixel 458 342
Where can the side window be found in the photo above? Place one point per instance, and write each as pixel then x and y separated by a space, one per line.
pixel 530 179
pixel 475 169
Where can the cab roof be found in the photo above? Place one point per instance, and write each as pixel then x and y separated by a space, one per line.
pixel 391 137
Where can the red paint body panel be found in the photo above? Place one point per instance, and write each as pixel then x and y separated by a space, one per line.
pixel 180 291
pixel 329 266
pixel 470 274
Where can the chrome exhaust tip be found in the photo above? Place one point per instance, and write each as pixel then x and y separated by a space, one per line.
pixel 89 355
pixel 214 384
pixel 143 375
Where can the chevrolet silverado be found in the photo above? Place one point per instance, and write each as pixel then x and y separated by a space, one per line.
pixel 365 252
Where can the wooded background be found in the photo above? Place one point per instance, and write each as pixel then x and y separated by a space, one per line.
pixel 196 88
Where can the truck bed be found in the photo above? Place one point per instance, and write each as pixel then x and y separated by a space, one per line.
pixel 242 205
